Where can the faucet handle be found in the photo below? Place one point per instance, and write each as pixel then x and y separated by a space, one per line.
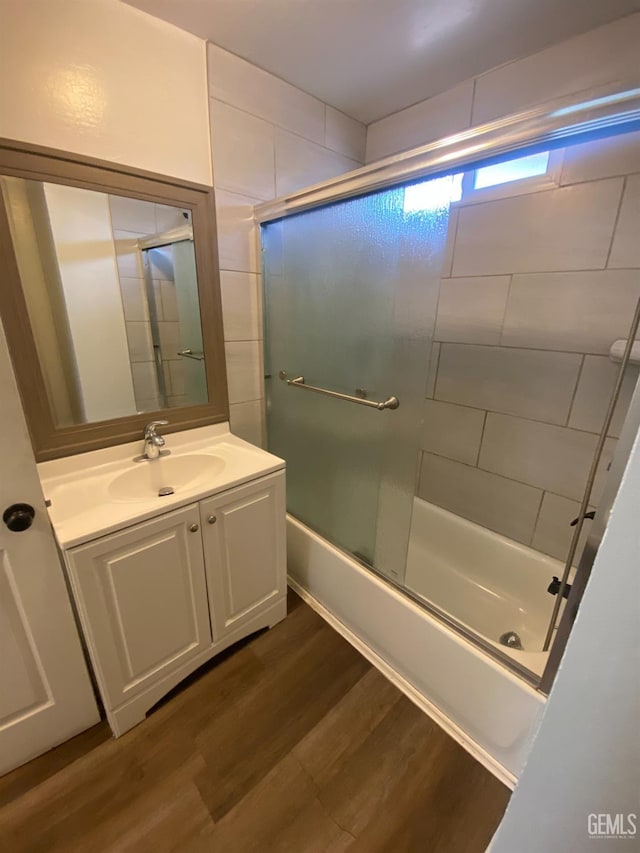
pixel 150 428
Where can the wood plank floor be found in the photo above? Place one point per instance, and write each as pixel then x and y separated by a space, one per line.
pixel 290 742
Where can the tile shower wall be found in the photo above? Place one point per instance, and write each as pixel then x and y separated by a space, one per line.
pixel 130 220
pixel 605 55
pixel 268 138
pixel 536 288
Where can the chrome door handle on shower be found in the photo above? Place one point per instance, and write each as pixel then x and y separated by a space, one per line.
pixel 189 353
pixel 298 382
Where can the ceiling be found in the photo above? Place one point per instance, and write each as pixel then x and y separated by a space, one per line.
pixel 370 58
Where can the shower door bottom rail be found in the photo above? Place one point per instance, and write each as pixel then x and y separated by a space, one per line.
pixel 298 382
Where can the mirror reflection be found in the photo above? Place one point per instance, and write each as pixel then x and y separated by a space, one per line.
pixel 111 291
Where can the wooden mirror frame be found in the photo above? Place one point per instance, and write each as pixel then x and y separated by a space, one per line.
pixel 22 160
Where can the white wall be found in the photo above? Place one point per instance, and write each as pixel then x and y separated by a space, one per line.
pixel 602 56
pixel 102 79
pixel 268 139
pixel 586 756
pixel 81 229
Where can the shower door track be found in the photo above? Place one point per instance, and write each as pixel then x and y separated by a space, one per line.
pixel 601 112
pixel 457 627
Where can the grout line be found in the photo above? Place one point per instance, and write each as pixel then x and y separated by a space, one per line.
pixel 616 221
pixel 453 245
pixel 600 353
pixel 286 129
pixel 504 313
pixel 496 474
pixel 473 101
pixel 575 392
pixel 543 272
pixel 535 523
pixel 484 424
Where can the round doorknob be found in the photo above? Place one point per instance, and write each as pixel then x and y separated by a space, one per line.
pixel 194 528
pixel 212 519
pixel 18 517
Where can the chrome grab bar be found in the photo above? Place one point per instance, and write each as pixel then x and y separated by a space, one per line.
pixel 189 353
pixel 298 382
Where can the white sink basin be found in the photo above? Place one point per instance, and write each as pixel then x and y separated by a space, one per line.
pixel 145 479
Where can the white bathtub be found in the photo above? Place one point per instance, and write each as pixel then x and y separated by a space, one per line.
pixel 481 579
pixel 491 711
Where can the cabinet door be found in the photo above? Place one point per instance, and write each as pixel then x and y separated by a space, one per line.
pixel 142 599
pixel 243 532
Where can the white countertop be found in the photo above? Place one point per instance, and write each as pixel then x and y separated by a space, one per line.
pixel 85 503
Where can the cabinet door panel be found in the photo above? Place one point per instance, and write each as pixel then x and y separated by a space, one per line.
pixel 244 551
pixel 143 601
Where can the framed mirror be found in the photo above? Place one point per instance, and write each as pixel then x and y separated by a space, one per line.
pixel 110 299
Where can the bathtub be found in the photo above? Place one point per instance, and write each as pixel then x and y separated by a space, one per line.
pixel 487 708
pixel 485 582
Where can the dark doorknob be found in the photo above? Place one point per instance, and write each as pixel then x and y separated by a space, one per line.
pixel 18 517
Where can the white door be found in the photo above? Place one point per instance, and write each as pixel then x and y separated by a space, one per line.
pixel 46 695
pixel 243 531
pixel 142 598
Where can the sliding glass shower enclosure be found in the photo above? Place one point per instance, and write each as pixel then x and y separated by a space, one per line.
pixel 442 372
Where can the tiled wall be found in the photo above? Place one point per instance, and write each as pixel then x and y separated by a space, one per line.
pixel 535 290
pixel 602 56
pixel 132 219
pixel 268 139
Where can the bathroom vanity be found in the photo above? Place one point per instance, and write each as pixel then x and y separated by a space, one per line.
pixel 163 582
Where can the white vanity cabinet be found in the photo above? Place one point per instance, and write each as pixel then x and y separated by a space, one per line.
pixel 159 598
pixel 244 552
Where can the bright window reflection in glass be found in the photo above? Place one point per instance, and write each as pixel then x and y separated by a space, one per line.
pixel 511 170
pixel 433 195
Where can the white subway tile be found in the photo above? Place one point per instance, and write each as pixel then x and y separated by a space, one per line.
pixel 244 370
pixel 425 121
pixel 471 310
pixel 345 135
pixel 563 229
pixel 625 251
pixel 300 163
pixel 247 421
pixel 139 340
pixel 134 299
pixel 552 458
pixel 495 502
pixel 240 306
pixel 241 84
pixel 602 158
pixel 576 311
pixel 243 152
pixel 452 431
pixel 145 382
pixel 168 217
pixel 595 387
pixel 554 532
pixel 604 55
pixel 529 383
pixel 237 236
pixel 132 214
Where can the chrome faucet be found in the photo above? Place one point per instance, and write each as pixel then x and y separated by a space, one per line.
pixel 152 441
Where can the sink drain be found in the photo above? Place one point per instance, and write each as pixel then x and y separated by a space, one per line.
pixel 511 639
pixel 163 491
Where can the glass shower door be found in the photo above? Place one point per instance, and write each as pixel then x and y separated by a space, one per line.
pixel 350 302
